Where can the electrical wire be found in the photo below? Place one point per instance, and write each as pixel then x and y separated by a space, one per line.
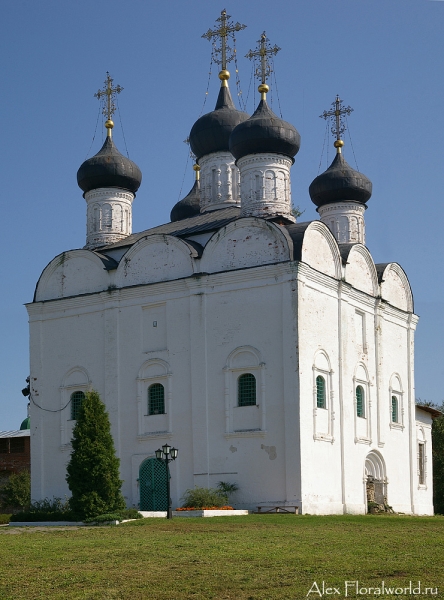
pixel 95 131
pixel 121 126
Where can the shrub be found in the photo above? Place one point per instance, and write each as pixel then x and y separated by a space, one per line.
pixel 54 509
pixel 4 518
pixel 200 497
pixel 121 515
pixel 93 470
pixel 16 492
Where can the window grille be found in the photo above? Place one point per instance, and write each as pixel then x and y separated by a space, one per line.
pixel 360 409
pixel 246 390
pixel 4 446
pixel 320 392
pixel 156 399
pixel 76 402
pixel 394 409
pixel 421 465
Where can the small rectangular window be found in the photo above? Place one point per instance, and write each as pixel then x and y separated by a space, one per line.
pixel 4 446
pixel 395 417
pixel 246 390
pixel 320 392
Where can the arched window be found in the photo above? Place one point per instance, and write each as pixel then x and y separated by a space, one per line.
pixel 246 390
pixel 395 416
pixel 360 401
pixel 320 392
pixel 76 402
pixel 156 399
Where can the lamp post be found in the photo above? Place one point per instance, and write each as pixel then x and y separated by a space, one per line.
pixel 167 454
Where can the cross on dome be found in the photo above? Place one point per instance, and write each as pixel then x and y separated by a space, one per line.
pixel 338 127
pixel 108 94
pixel 225 29
pixel 264 70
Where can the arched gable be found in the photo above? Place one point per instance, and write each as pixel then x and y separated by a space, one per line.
pixel 156 258
pixel 395 286
pixel 315 245
pixel 246 242
pixel 72 273
pixel 360 270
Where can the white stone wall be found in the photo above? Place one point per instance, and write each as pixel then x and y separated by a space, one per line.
pixel 219 181
pixel 108 217
pixel 345 220
pixel 240 308
pixel 265 185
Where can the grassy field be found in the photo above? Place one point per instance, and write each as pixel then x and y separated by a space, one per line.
pixel 234 558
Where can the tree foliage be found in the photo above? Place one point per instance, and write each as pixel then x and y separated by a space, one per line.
pixel 16 493
pixel 438 463
pixel 93 470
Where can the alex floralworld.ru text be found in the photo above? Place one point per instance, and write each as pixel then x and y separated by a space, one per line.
pixel 356 588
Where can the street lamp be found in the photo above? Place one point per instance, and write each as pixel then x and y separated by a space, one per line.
pixel 166 454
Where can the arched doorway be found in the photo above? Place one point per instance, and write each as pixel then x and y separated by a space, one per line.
pixel 153 485
pixel 375 480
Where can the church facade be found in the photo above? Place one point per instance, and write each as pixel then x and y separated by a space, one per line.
pixel 273 354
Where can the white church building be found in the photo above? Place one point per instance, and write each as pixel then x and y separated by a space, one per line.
pixel 273 354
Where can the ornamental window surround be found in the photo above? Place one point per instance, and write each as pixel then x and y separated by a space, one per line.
pixel 245 410
pixel 323 398
pixel 396 403
pixel 362 405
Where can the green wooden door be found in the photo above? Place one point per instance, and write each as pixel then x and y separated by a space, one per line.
pixel 153 485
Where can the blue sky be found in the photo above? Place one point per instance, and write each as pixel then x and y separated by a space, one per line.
pixel 384 57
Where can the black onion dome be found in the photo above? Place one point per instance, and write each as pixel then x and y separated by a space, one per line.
pixel 264 132
pixel 109 168
pixel 188 206
pixel 211 132
pixel 340 183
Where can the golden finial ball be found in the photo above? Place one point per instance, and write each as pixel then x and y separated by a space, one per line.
pixel 338 144
pixel 263 88
pixel 224 75
pixel 196 167
pixel 109 124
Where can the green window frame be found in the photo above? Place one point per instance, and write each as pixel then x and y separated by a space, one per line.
pixel 421 463
pixel 76 402
pixel 320 392
pixel 360 401
pixel 156 399
pixel 246 390
pixel 395 410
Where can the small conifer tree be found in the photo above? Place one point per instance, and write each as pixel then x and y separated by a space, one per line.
pixel 93 470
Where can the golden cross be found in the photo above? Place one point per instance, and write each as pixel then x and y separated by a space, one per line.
pixel 109 107
pixel 225 29
pixel 335 114
pixel 264 70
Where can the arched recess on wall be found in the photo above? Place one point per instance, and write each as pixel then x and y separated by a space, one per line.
pixel 375 479
pixel 244 420
pixel 154 371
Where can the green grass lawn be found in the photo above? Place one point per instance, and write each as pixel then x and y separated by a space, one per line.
pixel 237 558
